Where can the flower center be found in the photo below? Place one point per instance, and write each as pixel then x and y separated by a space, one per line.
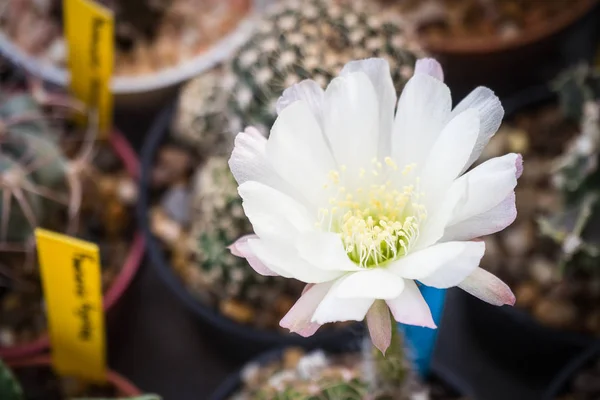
pixel 378 220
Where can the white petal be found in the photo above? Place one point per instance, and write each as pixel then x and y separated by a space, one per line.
pixel 486 186
pixel 273 214
pixel 335 309
pixel 423 263
pixel 486 223
pixel 490 114
pixel 448 156
pixel 423 109
pixel 380 325
pixel 454 271
pixel 410 307
pixel 241 249
pixel 308 91
pixel 325 250
pixel 352 120
pixel 284 260
pixel 430 66
pixel 248 162
pixel 378 71
pixel 299 152
pixel 375 283
pixel 488 288
pixel 298 319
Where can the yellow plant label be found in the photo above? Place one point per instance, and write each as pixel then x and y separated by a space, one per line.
pixel 89 30
pixel 70 270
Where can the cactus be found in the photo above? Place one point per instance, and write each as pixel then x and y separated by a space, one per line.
pixel 316 376
pixel 296 40
pixel 10 389
pixel 576 173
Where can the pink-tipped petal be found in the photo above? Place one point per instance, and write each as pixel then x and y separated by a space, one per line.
pixel 410 307
pixel 431 67
pixel 380 325
pixel 488 288
pixel 519 166
pixel 241 249
pixel 255 133
pixel 298 319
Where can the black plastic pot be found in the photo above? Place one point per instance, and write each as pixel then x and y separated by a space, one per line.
pixel 240 341
pixel 234 382
pixel 509 335
pixel 560 383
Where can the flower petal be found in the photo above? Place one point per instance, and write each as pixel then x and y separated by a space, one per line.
pixel 430 66
pixel 486 186
pixel 307 90
pixel 378 71
pixel 374 283
pixel 380 325
pixel 486 223
pixel 298 151
pixel 336 309
pixel 423 263
pixel 454 271
pixel 410 307
pixel 490 115
pixel 325 250
pixel 240 248
pixel 423 109
pixel 298 319
pixel 488 288
pixel 272 213
pixel 352 120
pixel 284 260
pixel 448 155
pixel 248 161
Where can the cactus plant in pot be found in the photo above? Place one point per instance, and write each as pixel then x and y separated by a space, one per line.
pixel 158 45
pixel 33 379
pixel 211 108
pixel 58 177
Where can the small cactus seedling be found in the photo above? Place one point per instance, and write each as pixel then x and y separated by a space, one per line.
pixel 296 40
pixel 10 389
pixel 577 174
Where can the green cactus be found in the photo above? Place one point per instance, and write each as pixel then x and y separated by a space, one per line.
pixel 296 40
pixel 10 389
pixel 314 376
pixel 577 174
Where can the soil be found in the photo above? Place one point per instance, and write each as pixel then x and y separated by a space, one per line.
pixel 585 385
pixel 528 262
pixel 444 20
pixel 315 371
pixel 105 217
pixel 149 35
pixel 40 383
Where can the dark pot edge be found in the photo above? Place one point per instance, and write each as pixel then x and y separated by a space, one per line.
pixel 563 377
pixel 154 138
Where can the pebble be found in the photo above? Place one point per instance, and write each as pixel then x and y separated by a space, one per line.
pixel 237 311
pixel 527 294
pixel 176 204
pixel 166 229
pixel 7 337
pixel 172 166
pixel 519 238
pixel 556 313
pixel 543 271
pixel 291 357
pixel 127 190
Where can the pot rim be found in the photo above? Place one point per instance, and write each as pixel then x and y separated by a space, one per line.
pixel 131 264
pixel 122 384
pixel 158 130
pixel 164 78
pixel 494 44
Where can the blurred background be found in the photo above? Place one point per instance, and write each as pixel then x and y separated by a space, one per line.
pixel 185 319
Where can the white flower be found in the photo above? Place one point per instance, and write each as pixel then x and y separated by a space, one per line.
pixel 361 205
